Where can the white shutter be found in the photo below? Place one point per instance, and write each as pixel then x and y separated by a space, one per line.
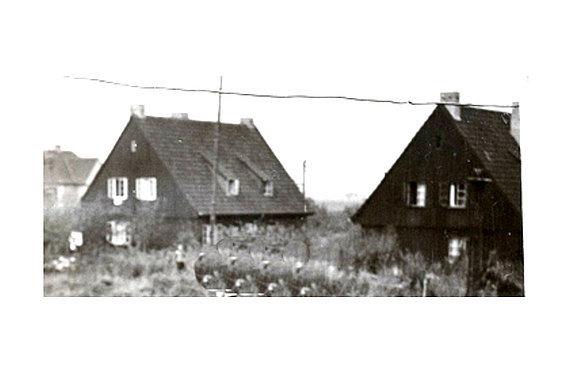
pixel 152 188
pixel 111 185
pixel 421 195
pixel 139 188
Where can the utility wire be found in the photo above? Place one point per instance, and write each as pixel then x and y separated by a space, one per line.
pixel 272 96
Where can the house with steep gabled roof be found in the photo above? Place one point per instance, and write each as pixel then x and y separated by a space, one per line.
pixel 165 166
pixel 66 178
pixel 456 189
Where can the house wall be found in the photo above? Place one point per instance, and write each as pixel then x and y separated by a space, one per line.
pixel 439 154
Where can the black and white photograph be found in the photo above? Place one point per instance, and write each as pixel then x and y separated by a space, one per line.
pixel 360 182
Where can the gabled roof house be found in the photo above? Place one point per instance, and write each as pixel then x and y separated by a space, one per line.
pixel 456 188
pixel 167 164
pixel 66 177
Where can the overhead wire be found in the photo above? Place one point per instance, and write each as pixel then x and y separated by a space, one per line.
pixel 293 96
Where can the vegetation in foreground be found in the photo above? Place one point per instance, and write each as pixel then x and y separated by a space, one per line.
pixel 331 257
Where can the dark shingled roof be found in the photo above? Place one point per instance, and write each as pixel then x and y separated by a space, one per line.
pixel 186 149
pixel 488 134
pixel 65 168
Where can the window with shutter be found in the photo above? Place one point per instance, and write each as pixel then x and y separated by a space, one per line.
pixel 416 194
pixel 444 194
pixel 146 188
pixel 458 195
pixel 118 189
pixel 118 233
pixel 456 248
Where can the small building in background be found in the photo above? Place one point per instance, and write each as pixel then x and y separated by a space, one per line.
pixel 456 188
pixel 66 178
pixel 157 182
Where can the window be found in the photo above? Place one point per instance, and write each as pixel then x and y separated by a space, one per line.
pixel 133 146
pixel 458 195
pixel 416 194
pixel 233 187
pixel 118 233
pixel 456 248
pixel 268 188
pixel 146 188
pixel 207 234
pixel 118 189
pixel 453 195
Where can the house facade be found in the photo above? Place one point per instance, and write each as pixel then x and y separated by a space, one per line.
pixel 456 188
pixel 158 181
pixel 66 178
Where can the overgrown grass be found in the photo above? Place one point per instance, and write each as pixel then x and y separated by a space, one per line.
pixel 122 273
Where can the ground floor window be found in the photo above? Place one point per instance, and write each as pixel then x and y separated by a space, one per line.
pixel 207 237
pixel 456 248
pixel 118 233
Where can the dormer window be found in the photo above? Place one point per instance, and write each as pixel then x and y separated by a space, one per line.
pixel 233 187
pixel 133 146
pixel 416 194
pixel 269 188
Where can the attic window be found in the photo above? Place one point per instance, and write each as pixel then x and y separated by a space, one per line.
pixel 458 195
pixel 268 188
pixel 133 146
pixel 438 141
pixel 146 188
pixel 118 189
pixel 233 187
pixel 416 194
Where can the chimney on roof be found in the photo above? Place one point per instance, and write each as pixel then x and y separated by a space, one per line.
pixel 515 122
pixel 248 122
pixel 180 116
pixel 137 110
pixel 57 148
pixel 449 98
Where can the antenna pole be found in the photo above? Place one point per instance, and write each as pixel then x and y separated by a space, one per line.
pixel 304 184
pixel 212 239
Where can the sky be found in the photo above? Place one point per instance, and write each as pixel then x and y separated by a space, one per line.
pixel 365 50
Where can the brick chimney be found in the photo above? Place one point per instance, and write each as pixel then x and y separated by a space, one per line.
pixel 180 116
pixel 451 98
pixel 138 111
pixel 515 122
pixel 248 122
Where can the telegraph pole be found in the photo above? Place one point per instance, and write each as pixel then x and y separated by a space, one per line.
pixel 212 238
pixel 304 184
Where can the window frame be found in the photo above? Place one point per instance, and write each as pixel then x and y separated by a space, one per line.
pixel 458 195
pixel 415 194
pixel 269 188
pixel 233 187
pixel 151 188
pixel 457 247
pixel 118 233
pixel 112 184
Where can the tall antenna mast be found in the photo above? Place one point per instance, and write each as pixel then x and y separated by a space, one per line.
pixel 304 184
pixel 213 238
